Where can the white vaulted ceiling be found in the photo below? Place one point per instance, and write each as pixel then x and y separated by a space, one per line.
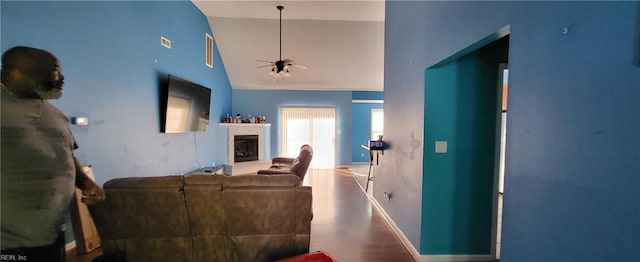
pixel 342 43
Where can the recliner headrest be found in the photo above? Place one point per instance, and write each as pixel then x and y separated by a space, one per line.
pixel 307 147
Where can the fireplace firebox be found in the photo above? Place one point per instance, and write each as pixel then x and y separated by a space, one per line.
pixel 245 148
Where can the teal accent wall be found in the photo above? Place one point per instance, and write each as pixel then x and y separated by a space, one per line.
pixel 572 158
pixel 461 108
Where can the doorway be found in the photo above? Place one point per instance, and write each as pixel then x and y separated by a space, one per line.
pixel 315 126
pixel 461 153
pixel 364 175
pixel 501 138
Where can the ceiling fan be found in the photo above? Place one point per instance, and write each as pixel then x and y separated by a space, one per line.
pixel 281 67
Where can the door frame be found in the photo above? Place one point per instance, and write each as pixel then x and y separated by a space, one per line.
pixel 498 185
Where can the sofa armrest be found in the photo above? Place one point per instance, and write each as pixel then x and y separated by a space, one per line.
pixel 282 160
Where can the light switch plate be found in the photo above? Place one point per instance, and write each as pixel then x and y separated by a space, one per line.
pixel 441 147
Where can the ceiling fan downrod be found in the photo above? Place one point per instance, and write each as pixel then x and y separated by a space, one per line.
pixel 280 8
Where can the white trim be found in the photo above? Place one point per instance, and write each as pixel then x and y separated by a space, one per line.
pixel 70 246
pixel 239 130
pixel 414 253
pixel 244 124
pixel 165 42
pixel 361 101
pixel 405 241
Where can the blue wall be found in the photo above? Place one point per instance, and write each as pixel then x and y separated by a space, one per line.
pixel 573 149
pixel 364 101
pixel 113 63
pixel 268 103
pixel 573 155
pixel 367 95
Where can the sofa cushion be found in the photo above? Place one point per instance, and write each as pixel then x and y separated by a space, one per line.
pixel 262 181
pixel 206 215
pixel 146 182
pixel 250 180
pixel 202 179
pixel 263 228
pixel 138 208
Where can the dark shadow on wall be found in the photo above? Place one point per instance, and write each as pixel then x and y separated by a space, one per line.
pixel 638 37
pixel 163 87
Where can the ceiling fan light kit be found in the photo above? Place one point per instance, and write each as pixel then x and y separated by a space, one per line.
pixel 282 67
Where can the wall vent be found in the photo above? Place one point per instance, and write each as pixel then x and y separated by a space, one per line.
pixel 165 42
pixel 208 50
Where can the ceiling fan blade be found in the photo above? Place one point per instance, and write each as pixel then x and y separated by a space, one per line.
pixel 264 66
pixel 265 61
pixel 300 66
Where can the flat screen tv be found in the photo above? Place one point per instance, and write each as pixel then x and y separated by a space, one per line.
pixel 185 106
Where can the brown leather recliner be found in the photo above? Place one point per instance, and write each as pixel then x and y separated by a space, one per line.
pixel 285 165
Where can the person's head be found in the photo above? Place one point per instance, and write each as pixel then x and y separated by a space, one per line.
pixel 32 73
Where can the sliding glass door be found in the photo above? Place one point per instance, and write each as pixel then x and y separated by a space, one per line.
pixel 309 125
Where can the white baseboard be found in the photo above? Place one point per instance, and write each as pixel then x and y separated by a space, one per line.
pixel 414 252
pixel 405 241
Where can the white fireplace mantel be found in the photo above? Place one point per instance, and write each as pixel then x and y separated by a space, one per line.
pixel 229 131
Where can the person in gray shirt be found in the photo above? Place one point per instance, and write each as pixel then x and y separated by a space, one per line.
pixel 38 171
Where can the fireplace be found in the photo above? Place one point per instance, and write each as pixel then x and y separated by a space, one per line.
pixel 245 148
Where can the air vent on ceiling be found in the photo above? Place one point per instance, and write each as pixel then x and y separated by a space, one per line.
pixel 208 50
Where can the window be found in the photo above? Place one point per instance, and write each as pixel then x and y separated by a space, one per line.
pixel 377 123
pixel 315 126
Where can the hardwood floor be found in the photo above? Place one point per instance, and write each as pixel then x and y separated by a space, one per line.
pixel 345 224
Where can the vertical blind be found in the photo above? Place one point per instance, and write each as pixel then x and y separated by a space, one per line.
pixel 309 125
